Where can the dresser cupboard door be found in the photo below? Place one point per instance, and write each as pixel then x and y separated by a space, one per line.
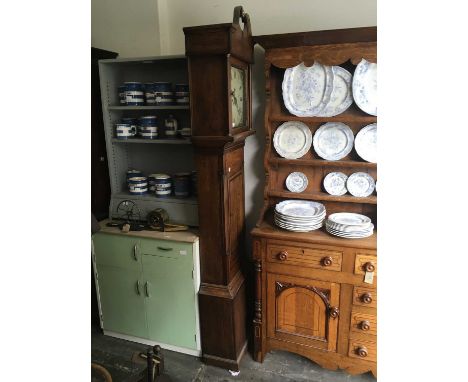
pixel 303 311
pixel 122 301
pixel 170 296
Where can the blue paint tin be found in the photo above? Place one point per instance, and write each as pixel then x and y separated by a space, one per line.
pixel 149 94
pixel 124 131
pixel 182 184
pixel 133 173
pixel 134 94
pixel 163 185
pixel 121 91
pixel 182 94
pixel 164 96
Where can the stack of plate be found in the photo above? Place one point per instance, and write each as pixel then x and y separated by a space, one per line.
pixel 318 90
pixel 349 225
pixel 299 215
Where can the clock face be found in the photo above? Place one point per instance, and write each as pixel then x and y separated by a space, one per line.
pixel 238 97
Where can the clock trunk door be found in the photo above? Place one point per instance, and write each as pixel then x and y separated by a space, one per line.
pixel 303 311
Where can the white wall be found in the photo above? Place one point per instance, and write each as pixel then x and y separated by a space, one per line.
pixel 128 27
pixel 267 16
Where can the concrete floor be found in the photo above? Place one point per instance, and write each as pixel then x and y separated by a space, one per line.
pixel 115 354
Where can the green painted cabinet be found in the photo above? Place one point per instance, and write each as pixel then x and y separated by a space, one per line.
pixel 147 288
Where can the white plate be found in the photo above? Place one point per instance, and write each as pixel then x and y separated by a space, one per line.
pixel 365 87
pixel 296 182
pixel 299 229
pixel 342 96
pixel 305 223
pixel 333 141
pixel 360 184
pixel 349 229
pixel 307 90
pixel 300 208
pixel 345 236
pixel 335 183
pixel 292 139
pixel 349 219
pixel 365 143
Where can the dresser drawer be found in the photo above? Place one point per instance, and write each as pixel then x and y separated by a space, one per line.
pixel 365 262
pixel 165 248
pixel 117 251
pixel 365 297
pixel 363 323
pixel 363 349
pixel 305 257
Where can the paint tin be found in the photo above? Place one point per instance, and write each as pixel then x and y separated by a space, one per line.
pixel 182 184
pixel 163 185
pixel 134 94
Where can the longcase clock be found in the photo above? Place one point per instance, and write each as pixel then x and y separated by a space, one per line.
pixel 219 61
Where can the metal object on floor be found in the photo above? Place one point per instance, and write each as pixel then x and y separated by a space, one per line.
pixel 155 364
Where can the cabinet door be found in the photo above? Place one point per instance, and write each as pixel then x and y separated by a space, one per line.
pixel 170 299
pixel 117 251
pixel 303 311
pixel 122 301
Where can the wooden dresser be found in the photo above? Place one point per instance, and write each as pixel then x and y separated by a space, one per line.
pixel 311 296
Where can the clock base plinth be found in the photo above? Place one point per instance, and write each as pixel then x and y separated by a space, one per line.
pixel 223 328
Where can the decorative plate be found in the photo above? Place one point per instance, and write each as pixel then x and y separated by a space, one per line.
pixel 300 208
pixel 349 218
pixel 360 184
pixel 296 182
pixel 342 96
pixel 307 90
pixel 292 139
pixel 335 183
pixel 333 141
pixel 365 86
pixel 365 143
pixel 349 228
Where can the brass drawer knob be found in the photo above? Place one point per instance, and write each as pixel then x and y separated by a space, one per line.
pixel 364 325
pixel 283 255
pixel 361 351
pixel 369 267
pixel 327 261
pixel 366 298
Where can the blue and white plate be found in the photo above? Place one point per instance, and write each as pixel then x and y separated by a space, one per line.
pixel 292 139
pixel 296 182
pixel 342 96
pixel 365 143
pixel 333 141
pixel 307 90
pixel 365 87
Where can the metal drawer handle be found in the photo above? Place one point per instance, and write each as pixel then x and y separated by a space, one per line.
pixel 369 267
pixel 361 351
pixel 283 255
pixel 334 312
pixel 365 325
pixel 366 298
pixel 147 289
pixel 164 248
pixel 138 287
pixel 135 249
pixel 327 261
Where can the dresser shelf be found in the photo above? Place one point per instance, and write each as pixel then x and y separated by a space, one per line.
pixel 352 114
pixel 322 162
pixel 323 196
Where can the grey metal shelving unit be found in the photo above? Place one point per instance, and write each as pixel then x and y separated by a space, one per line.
pixel 155 156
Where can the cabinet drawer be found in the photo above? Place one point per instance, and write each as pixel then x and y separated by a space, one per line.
pixel 365 297
pixel 305 257
pixel 165 248
pixel 117 251
pixel 363 262
pixel 363 323
pixel 363 349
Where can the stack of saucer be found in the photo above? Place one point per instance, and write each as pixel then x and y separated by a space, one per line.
pixel 299 215
pixel 137 185
pixel 349 225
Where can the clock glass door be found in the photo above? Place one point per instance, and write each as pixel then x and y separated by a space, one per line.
pixel 238 97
